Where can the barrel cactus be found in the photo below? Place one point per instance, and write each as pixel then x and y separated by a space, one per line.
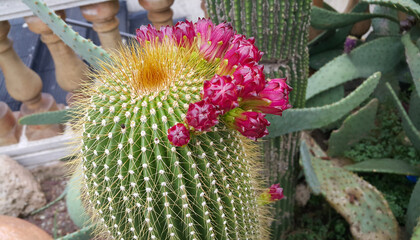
pixel 166 136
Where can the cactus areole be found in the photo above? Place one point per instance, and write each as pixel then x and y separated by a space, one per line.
pixel 165 136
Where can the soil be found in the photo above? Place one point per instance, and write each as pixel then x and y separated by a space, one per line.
pixel 55 220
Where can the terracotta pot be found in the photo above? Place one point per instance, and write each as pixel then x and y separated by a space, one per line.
pixel 12 228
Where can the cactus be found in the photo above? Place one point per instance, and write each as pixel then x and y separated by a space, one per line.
pixel 281 31
pixel 142 187
pixel 361 204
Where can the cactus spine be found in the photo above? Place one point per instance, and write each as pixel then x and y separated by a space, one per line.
pixel 281 32
pixel 139 186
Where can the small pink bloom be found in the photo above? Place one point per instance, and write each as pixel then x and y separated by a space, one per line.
pixel 201 116
pixel 276 192
pixel 148 33
pixel 250 79
pixel 221 92
pixel 184 33
pixel 178 135
pixel 204 28
pixel 218 42
pixel 252 125
pixel 242 51
pixel 273 99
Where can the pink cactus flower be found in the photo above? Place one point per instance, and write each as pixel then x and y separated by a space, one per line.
pixel 276 192
pixel 201 116
pixel 250 80
pixel 270 195
pixel 252 125
pixel 184 33
pixel 221 92
pixel 241 52
pixel 178 135
pixel 204 28
pixel 273 99
pixel 148 33
pixel 218 42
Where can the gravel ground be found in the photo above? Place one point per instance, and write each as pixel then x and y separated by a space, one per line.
pixel 55 219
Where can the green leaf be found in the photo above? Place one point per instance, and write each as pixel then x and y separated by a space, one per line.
pixel 408 6
pixel 56 117
pixel 382 26
pixel 324 19
pixel 335 38
pixel 308 170
pixel 412 54
pixel 378 55
pixel 414 111
pixel 316 61
pixel 385 165
pixel 413 209
pixel 310 118
pixel 82 234
pixel 353 129
pixel 416 232
pixel 410 130
pixel 329 96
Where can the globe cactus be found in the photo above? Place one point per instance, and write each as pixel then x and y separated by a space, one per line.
pixel 165 147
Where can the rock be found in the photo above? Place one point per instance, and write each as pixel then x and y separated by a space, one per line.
pixel 12 228
pixel 20 193
pixel 303 194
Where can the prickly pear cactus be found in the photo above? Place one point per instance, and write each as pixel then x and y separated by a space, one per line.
pixel 139 185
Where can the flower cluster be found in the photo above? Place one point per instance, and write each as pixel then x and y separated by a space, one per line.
pixel 238 94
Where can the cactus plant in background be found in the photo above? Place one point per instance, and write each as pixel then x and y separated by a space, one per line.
pixel 281 31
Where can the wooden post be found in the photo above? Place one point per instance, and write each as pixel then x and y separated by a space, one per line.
pixel 69 68
pixel 105 23
pixel 24 85
pixel 8 126
pixel 159 12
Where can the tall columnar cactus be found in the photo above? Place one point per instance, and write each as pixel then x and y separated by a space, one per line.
pixel 281 30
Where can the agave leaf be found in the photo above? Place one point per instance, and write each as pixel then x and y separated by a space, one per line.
pixel 413 210
pixel 377 55
pixel 410 130
pixel 310 118
pixel 412 54
pixel 408 6
pixel 385 165
pixel 55 117
pixel 354 128
pixel 325 19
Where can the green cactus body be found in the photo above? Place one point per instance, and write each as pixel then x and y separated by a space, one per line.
pixel 136 184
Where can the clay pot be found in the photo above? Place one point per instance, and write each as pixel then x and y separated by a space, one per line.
pixel 12 228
